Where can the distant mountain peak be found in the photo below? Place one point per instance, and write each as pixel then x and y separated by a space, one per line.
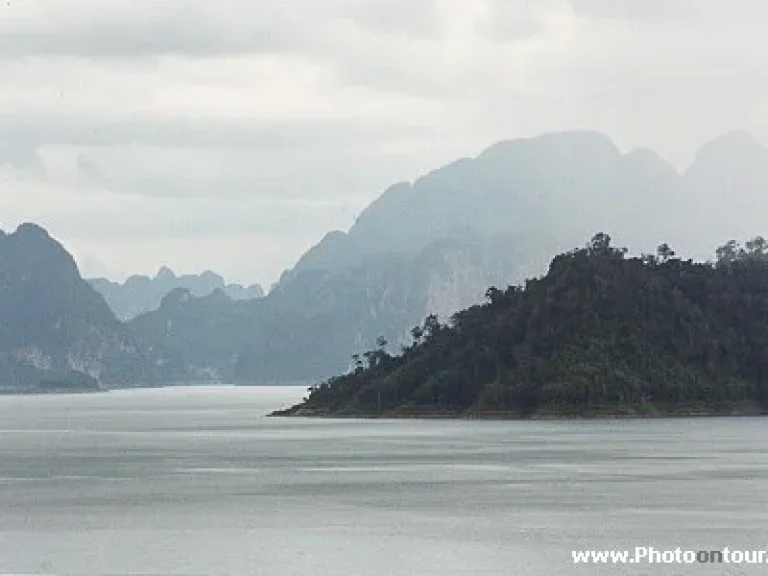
pixel 734 148
pixel 55 326
pixel 29 229
pixel 210 275
pixel 737 137
pixel 165 273
pixel 584 141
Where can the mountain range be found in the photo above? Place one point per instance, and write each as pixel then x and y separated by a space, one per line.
pixel 434 246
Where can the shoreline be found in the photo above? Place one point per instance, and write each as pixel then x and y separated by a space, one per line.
pixel 740 412
pixel 61 392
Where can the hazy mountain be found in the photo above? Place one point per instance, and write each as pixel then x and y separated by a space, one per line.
pixel 139 294
pixel 206 333
pixel 562 185
pixel 726 188
pixel 55 327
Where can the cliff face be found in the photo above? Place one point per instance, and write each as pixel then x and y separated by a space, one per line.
pixel 463 269
pixel 54 326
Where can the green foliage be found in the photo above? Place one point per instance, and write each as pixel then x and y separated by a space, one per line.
pixel 600 331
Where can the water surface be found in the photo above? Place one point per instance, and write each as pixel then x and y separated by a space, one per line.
pixel 198 481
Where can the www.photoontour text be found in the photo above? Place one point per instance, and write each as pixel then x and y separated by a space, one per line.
pixel 650 555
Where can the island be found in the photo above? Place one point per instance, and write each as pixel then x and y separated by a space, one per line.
pixel 601 334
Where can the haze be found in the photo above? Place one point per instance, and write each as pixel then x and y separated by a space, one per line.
pixel 233 135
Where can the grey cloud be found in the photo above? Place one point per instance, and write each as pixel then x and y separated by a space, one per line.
pixel 24 135
pixel 200 28
pixel 513 21
pixel 193 28
pixel 419 19
pixel 89 169
pixel 20 154
pixel 225 160
pixel 635 9
pixel 424 67
pixel 198 218
pixel 329 178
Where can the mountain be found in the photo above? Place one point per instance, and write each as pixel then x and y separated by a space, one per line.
pixel 600 333
pixel 205 333
pixel 55 328
pixel 727 183
pixel 139 294
pixel 560 185
pixel 434 246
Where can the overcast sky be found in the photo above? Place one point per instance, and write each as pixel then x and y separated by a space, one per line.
pixel 232 134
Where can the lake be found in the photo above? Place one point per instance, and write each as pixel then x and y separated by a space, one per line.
pixel 198 481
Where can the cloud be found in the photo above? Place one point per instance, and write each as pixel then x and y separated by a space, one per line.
pixel 128 29
pixel 232 175
pixel 123 28
pixel 403 18
pixel 635 9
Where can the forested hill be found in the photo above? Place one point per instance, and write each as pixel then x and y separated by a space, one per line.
pixel 601 332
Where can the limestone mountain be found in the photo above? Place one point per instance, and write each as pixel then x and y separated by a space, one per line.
pixel 205 333
pixel 139 294
pixel 55 327
pixel 561 186
pixel 727 185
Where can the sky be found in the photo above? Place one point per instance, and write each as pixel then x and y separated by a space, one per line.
pixel 232 135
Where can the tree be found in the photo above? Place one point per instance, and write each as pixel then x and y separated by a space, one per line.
pixel 431 326
pixel 757 247
pixel 728 252
pixel 664 252
pixel 599 244
pixel 494 295
pixel 649 259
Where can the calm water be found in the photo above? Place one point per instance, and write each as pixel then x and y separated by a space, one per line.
pixel 197 481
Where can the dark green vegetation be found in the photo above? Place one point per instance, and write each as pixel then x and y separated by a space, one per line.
pixel 599 333
pixel 74 384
